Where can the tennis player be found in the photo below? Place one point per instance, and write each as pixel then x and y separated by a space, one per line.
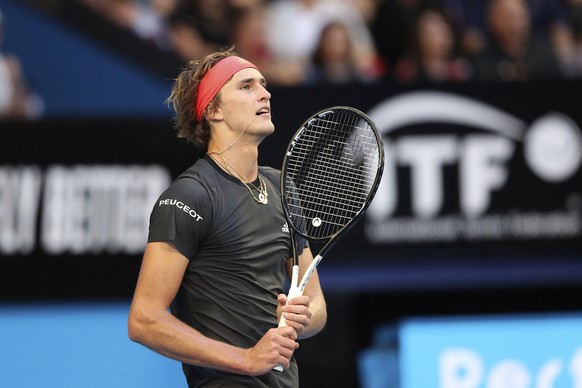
pixel 211 287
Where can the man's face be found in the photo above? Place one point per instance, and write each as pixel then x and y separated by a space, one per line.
pixel 245 104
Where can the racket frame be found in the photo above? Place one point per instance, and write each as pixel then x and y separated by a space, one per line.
pixel 371 194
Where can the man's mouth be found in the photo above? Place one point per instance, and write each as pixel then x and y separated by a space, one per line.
pixel 264 111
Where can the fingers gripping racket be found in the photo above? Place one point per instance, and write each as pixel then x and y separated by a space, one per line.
pixel 330 174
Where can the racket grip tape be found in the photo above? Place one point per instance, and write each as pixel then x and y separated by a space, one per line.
pixel 293 292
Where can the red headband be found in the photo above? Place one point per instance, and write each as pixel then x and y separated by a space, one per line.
pixel 215 79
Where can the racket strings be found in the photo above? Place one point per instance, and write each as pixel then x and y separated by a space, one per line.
pixel 331 173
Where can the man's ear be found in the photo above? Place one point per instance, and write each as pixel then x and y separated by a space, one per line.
pixel 215 115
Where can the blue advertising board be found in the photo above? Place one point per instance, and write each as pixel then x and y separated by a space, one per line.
pixel 543 351
pixel 77 345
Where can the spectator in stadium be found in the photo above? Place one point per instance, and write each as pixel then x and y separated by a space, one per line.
pixel 574 14
pixel 146 19
pixel 249 36
pixel 512 52
pixel 334 60
pixel 547 18
pixel 391 29
pixel 185 38
pixel 572 65
pixel 214 19
pixel 294 27
pixel 17 99
pixel 432 53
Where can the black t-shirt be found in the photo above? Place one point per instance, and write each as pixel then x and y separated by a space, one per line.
pixel 237 249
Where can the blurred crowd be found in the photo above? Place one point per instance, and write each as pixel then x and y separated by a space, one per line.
pixel 17 99
pixel 313 42
pixel 304 42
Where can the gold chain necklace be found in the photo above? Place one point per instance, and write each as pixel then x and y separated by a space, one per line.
pixel 262 189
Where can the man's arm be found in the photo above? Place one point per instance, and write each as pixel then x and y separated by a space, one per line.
pixel 307 314
pixel 151 324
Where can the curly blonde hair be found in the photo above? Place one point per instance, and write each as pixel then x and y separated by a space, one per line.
pixel 183 99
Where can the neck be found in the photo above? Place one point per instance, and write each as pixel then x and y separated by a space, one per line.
pixel 240 161
pixel 237 153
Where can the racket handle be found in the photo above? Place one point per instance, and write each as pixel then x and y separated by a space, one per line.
pixel 297 289
pixel 293 292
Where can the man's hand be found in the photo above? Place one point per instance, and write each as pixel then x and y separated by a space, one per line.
pixel 276 347
pixel 296 312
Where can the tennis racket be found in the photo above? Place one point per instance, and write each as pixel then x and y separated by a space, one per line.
pixel 330 174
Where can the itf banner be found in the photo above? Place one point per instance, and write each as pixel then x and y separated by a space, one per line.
pixel 492 168
pixel 492 352
pixel 462 170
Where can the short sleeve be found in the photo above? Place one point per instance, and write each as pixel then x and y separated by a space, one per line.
pixel 182 216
